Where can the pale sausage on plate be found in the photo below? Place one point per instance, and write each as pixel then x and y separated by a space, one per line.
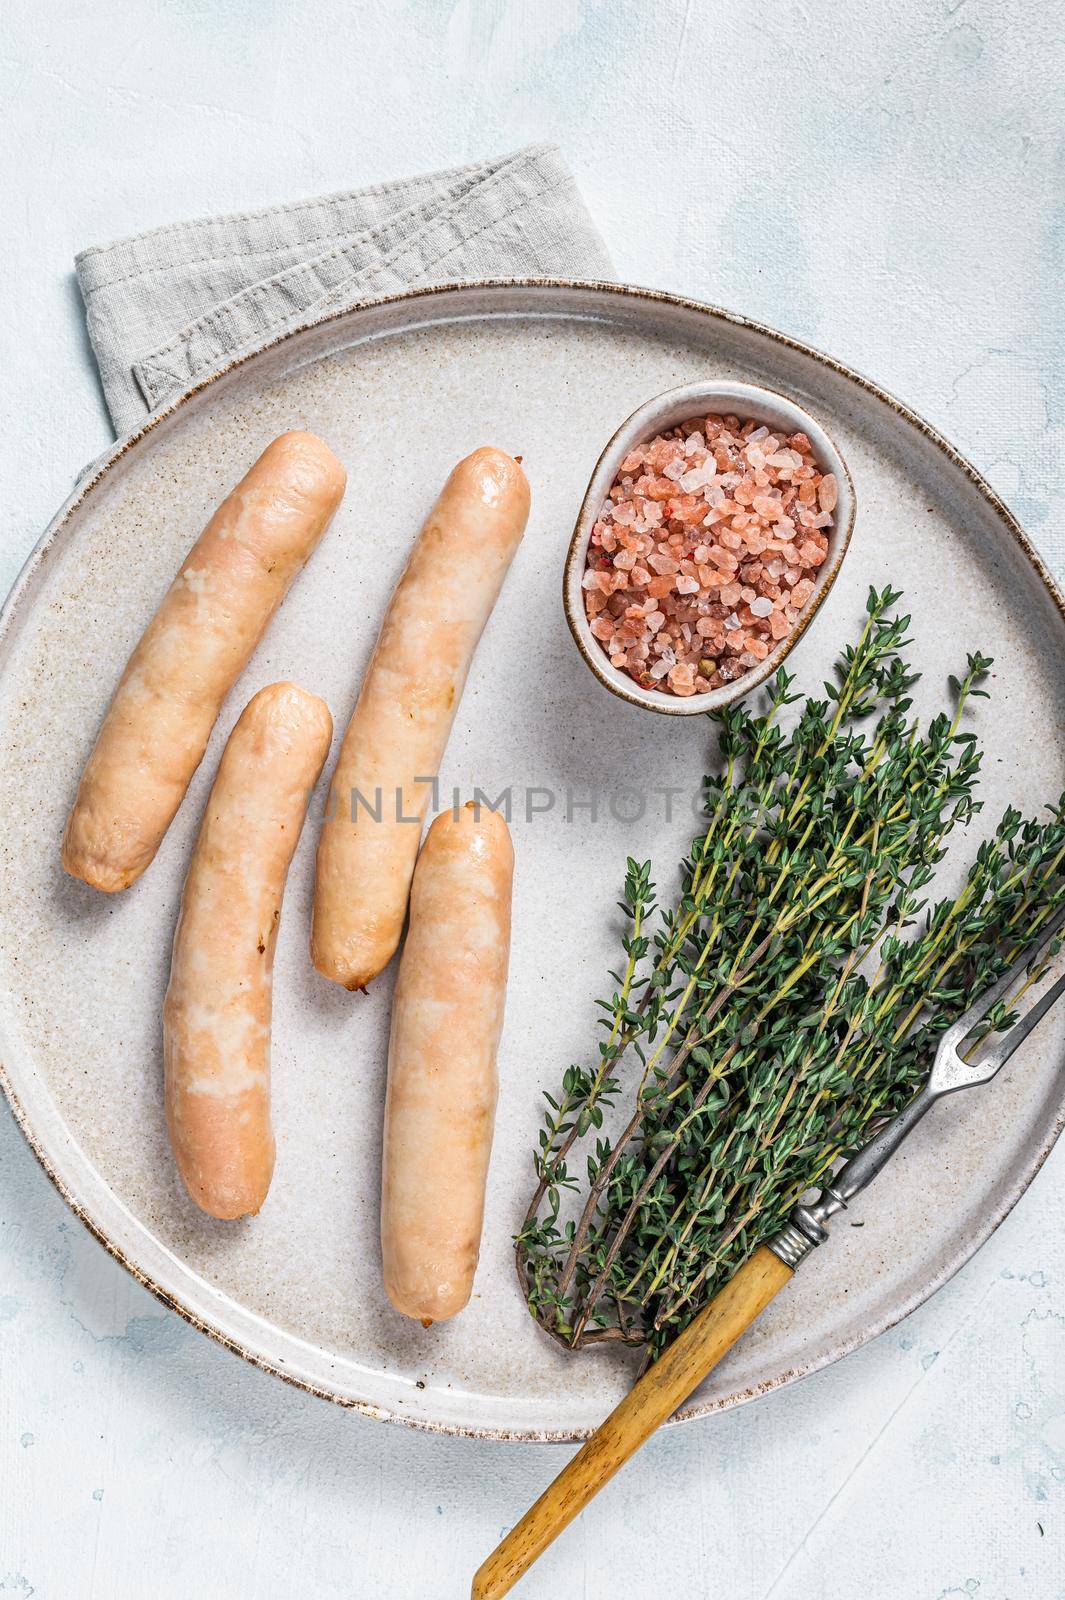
pixel 398 732
pixel 447 1017
pixel 192 652
pixel 216 1017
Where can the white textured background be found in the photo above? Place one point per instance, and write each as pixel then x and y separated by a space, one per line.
pixel 886 182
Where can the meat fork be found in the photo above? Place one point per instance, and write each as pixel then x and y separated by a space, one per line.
pixel 718 1326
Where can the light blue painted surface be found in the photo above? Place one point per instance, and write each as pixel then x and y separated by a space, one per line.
pixel 886 182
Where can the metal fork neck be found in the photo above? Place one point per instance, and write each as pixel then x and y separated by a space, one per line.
pixel 806 1228
pixel 807 1225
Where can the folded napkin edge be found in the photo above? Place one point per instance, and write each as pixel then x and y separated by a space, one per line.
pixel 89 260
pixel 279 301
pixel 166 306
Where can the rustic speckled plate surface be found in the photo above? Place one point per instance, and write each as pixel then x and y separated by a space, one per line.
pixel 401 390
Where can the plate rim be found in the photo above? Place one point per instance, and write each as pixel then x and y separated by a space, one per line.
pixel 95 473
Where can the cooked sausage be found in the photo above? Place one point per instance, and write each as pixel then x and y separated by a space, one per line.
pixel 216 1017
pixel 446 1020
pixel 193 650
pixel 404 714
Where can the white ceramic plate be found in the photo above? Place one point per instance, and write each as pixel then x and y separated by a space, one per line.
pixel 401 390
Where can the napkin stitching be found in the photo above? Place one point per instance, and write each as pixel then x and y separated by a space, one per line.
pixel 431 216
pixel 528 154
pixel 363 233
pixel 490 178
pixel 153 366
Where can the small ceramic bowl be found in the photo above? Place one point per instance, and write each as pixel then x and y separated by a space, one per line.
pixel 665 411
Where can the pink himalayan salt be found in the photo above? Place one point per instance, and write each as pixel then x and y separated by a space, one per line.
pixel 674 589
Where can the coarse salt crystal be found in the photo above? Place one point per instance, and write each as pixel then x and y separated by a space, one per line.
pixel 674 588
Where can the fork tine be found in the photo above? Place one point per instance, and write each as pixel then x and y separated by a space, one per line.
pixel 1000 1054
pixel 968 1020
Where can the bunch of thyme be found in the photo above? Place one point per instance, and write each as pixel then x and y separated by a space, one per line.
pixel 763 1026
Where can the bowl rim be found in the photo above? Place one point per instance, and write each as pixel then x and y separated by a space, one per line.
pixel 642 423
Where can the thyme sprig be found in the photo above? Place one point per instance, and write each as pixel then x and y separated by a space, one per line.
pixel 788 1002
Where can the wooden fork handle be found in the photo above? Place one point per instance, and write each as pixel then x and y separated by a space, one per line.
pixel 655 1397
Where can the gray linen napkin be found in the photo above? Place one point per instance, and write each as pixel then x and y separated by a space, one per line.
pixel 167 308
